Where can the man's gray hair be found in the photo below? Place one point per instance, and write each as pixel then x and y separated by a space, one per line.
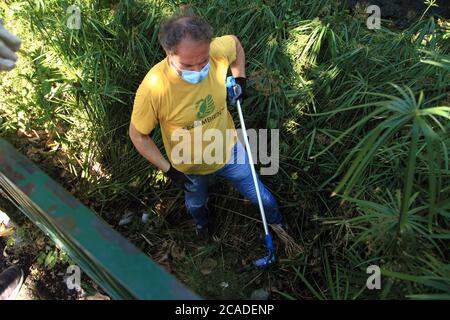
pixel 181 26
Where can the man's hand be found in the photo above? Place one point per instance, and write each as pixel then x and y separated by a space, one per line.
pixel 241 83
pixel 178 178
pixel 236 90
pixel 9 44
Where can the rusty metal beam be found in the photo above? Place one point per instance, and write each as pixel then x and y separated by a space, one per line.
pixel 120 268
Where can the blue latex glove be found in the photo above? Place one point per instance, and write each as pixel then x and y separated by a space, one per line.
pixel 235 90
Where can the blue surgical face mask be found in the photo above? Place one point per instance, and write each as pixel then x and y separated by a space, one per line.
pixel 194 77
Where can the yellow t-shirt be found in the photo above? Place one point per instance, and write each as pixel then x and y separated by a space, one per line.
pixel 186 111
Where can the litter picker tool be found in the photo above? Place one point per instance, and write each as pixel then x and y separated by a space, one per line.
pixel 270 258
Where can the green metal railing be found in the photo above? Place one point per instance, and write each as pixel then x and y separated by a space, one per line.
pixel 120 268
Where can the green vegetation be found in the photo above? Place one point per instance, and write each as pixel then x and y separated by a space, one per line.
pixel 363 117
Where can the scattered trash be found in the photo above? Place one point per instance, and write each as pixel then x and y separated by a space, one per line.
pixel 260 294
pixel 224 284
pixel 145 216
pixel 126 218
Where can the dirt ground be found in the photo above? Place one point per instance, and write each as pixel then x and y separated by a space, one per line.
pixel 29 249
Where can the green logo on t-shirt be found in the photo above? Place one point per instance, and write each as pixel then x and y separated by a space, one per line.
pixel 205 106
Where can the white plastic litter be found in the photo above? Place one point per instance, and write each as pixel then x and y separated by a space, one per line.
pixel 145 216
pixel 126 218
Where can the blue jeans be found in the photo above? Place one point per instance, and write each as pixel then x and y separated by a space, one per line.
pixel 238 172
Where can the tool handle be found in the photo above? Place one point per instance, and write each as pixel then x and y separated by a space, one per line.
pixel 250 156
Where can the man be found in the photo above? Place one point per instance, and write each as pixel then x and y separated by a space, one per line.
pixel 11 278
pixel 184 92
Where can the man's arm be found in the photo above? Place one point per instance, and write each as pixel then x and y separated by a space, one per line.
pixel 238 66
pixel 148 149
